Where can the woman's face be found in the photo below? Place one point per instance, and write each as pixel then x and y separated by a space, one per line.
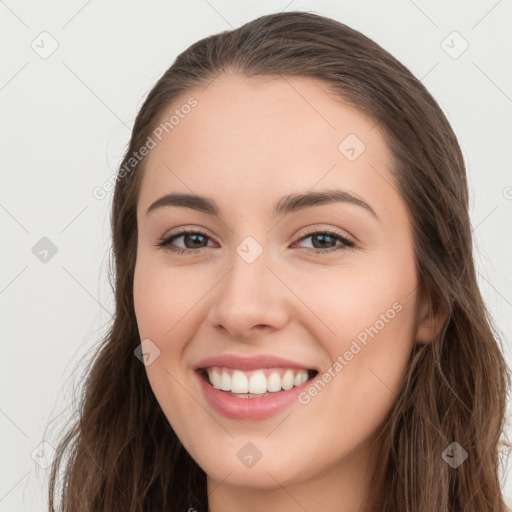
pixel 249 289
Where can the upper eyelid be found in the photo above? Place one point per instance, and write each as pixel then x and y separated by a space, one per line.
pixel 204 231
pixel 187 231
pixel 333 231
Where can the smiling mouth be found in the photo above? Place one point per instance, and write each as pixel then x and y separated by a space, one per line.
pixel 256 383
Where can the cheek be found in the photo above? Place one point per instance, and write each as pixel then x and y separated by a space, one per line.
pixel 363 302
pixel 163 298
pixel 370 350
pixel 166 302
pixel 373 316
pixel 371 361
pixel 366 321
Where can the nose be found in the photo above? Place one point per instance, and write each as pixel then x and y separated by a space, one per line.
pixel 250 300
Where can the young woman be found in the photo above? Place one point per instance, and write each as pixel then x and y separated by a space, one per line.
pixel 298 324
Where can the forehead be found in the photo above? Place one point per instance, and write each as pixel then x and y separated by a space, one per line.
pixel 252 138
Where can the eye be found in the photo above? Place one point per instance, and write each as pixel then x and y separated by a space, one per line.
pixel 198 240
pixel 190 237
pixel 322 239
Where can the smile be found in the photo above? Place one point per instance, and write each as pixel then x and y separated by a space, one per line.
pixel 256 383
pixel 253 388
pixel 227 390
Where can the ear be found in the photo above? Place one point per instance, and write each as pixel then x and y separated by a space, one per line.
pixel 432 316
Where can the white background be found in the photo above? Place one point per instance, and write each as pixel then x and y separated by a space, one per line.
pixel 65 122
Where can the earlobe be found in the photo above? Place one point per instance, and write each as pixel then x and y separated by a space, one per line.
pixel 431 319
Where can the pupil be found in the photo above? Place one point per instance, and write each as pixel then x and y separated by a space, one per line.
pixel 322 237
pixel 194 236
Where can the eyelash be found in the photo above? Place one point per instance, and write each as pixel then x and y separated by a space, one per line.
pixel 165 242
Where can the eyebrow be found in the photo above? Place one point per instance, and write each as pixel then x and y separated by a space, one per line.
pixel 287 204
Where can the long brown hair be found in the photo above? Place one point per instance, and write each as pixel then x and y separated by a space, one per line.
pixel 122 454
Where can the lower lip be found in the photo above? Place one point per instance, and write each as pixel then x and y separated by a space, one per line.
pixel 252 409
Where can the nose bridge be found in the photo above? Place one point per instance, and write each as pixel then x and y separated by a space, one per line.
pixel 248 275
pixel 249 294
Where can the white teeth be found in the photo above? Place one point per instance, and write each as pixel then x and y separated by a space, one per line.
pixel 239 382
pixel 274 382
pixel 287 380
pixel 256 382
pixel 215 379
pixel 225 382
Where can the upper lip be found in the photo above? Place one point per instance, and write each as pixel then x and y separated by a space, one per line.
pixel 250 363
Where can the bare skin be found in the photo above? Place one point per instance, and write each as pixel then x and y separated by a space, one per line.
pixel 246 144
